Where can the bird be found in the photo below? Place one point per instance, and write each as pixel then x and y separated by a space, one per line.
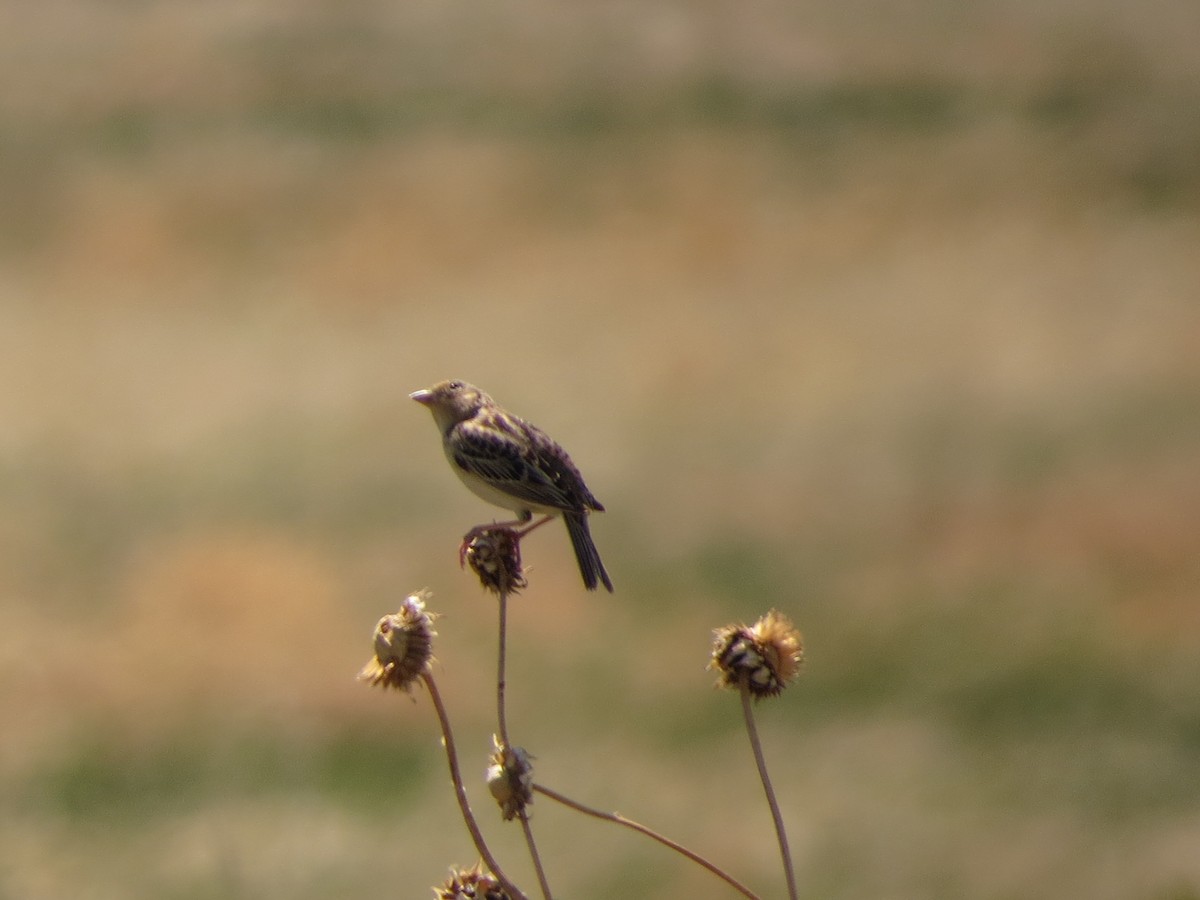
pixel 515 465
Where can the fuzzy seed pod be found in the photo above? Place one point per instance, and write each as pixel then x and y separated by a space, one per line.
pixel 510 779
pixel 494 555
pixel 403 646
pixel 470 884
pixel 766 657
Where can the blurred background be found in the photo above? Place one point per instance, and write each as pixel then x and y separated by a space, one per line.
pixel 887 316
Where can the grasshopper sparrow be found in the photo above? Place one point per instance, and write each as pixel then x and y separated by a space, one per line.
pixel 514 465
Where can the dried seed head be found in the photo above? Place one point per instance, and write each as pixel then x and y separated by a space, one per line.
pixel 510 778
pixel 765 657
pixel 470 884
pixel 403 646
pixel 494 554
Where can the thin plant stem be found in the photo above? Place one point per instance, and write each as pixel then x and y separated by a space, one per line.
pixel 501 654
pixel 533 853
pixel 650 833
pixel 756 745
pixel 460 791
pixel 502 728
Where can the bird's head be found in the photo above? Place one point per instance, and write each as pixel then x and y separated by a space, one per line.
pixel 451 402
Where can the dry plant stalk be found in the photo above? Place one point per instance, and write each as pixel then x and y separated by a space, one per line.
pixel 403 652
pixel 494 554
pixel 758 661
pixel 619 819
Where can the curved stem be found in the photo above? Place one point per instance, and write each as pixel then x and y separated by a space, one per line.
pixel 756 745
pixel 650 833
pixel 460 792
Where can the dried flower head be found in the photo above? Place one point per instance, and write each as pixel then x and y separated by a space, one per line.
pixel 494 554
pixel 470 884
pixel 765 657
pixel 510 778
pixel 403 645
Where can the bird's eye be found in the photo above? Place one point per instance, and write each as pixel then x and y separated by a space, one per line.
pixel 455 385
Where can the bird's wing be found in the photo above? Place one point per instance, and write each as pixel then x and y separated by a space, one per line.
pixel 508 464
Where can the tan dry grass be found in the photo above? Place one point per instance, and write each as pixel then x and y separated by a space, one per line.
pixel 924 377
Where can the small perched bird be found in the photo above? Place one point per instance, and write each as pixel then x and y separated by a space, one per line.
pixel 514 465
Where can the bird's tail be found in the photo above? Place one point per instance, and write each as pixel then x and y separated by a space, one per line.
pixel 590 566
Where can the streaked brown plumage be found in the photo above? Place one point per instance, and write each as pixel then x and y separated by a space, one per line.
pixel 514 465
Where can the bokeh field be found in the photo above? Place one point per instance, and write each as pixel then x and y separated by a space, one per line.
pixel 887 317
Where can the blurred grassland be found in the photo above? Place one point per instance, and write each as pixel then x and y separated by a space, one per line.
pixel 889 318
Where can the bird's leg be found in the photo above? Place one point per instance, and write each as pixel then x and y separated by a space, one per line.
pixel 538 524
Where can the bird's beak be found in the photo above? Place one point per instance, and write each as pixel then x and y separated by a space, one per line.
pixel 425 398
